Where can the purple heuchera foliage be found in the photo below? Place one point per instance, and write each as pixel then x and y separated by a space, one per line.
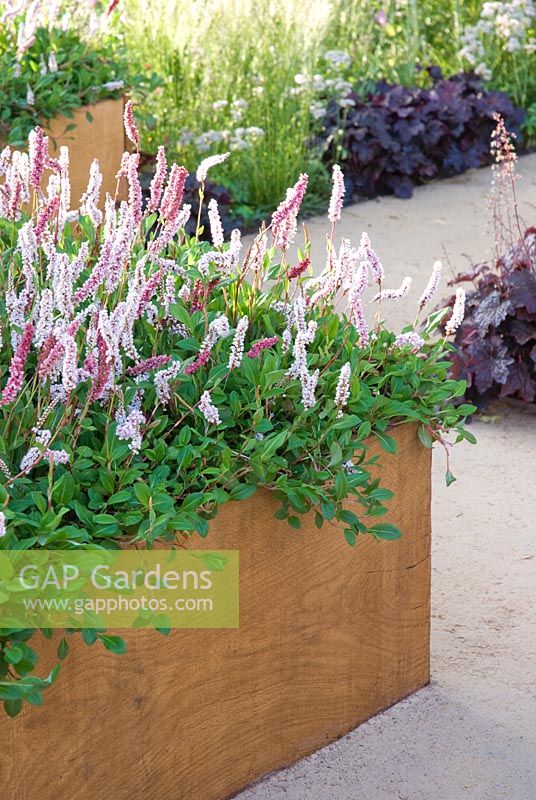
pixel 496 342
pixel 398 137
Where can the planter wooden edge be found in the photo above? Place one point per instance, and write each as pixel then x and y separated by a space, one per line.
pixel 98 133
pixel 329 636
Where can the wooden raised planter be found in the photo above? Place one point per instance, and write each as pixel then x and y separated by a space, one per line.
pixel 329 635
pixel 102 138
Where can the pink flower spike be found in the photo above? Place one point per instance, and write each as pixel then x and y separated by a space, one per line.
pixel 374 262
pixel 394 294
pixel 134 188
pixel 342 393
pixel 70 361
pixel 149 364
pixel 174 193
pixel 148 291
pixel 263 344
pixel 360 322
pixel 16 368
pixel 216 229
pixel 208 409
pixel 199 362
pixel 410 339
pixel 38 153
pixel 207 163
pixel 299 269
pixel 337 195
pixel 123 166
pixel 432 285
pixel 458 312
pixel 103 372
pixel 130 126
pixel 45 215
pixel 284 218
pixel 157 183
pixel 237 345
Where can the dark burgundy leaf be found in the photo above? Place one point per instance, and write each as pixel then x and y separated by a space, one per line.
pixel 491 311
pixel 522 331
pixel 520 383
pixel 489 361
pixel 495 344
pixel 522 293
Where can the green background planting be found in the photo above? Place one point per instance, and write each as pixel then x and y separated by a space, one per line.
pixel 258 77
pixel 238 66
pixel 65 63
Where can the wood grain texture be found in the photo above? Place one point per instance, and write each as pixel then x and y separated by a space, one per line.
pixel 329 635
pixel 103 138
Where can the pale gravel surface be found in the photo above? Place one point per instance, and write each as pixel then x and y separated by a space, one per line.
pixel 470 735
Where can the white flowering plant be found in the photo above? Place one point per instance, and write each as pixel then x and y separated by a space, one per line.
pixel 501 48
pixel 148 378
pixel 53 63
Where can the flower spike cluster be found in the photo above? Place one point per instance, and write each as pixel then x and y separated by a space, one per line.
pixel 130 126
pixel 136 325
pixel 337 195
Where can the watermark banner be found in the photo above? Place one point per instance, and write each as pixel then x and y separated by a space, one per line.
pixel 119 589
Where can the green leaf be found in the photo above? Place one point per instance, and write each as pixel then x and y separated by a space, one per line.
pixel 328 509
pixel 387 442
pixel 384 530
pixel 200 525
pixel 345 515
pixel 143 493
pixel 180 313
pixel 115 644
pixel 9 690
pixel 466 409
pixel 120 497
pixel 34 697
pixel 449 477
pixel 13 654
pixel 341 485
pixel 214 561
pixel 64 489
pixel 350 536
pixel 273 443
pixel 13 707
pixel 63 648
pixel 424 436
pixel 470 437
pixel 89 636
pixel 364 430
pixel 242 492
pixel 336 454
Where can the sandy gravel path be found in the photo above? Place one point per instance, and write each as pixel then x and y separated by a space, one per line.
pixel 470 735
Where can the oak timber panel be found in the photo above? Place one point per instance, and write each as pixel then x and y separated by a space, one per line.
pixel 329 635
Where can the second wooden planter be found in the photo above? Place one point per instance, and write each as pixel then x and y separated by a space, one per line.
pixel 329 635
pixel 92 132
pixel 97 133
